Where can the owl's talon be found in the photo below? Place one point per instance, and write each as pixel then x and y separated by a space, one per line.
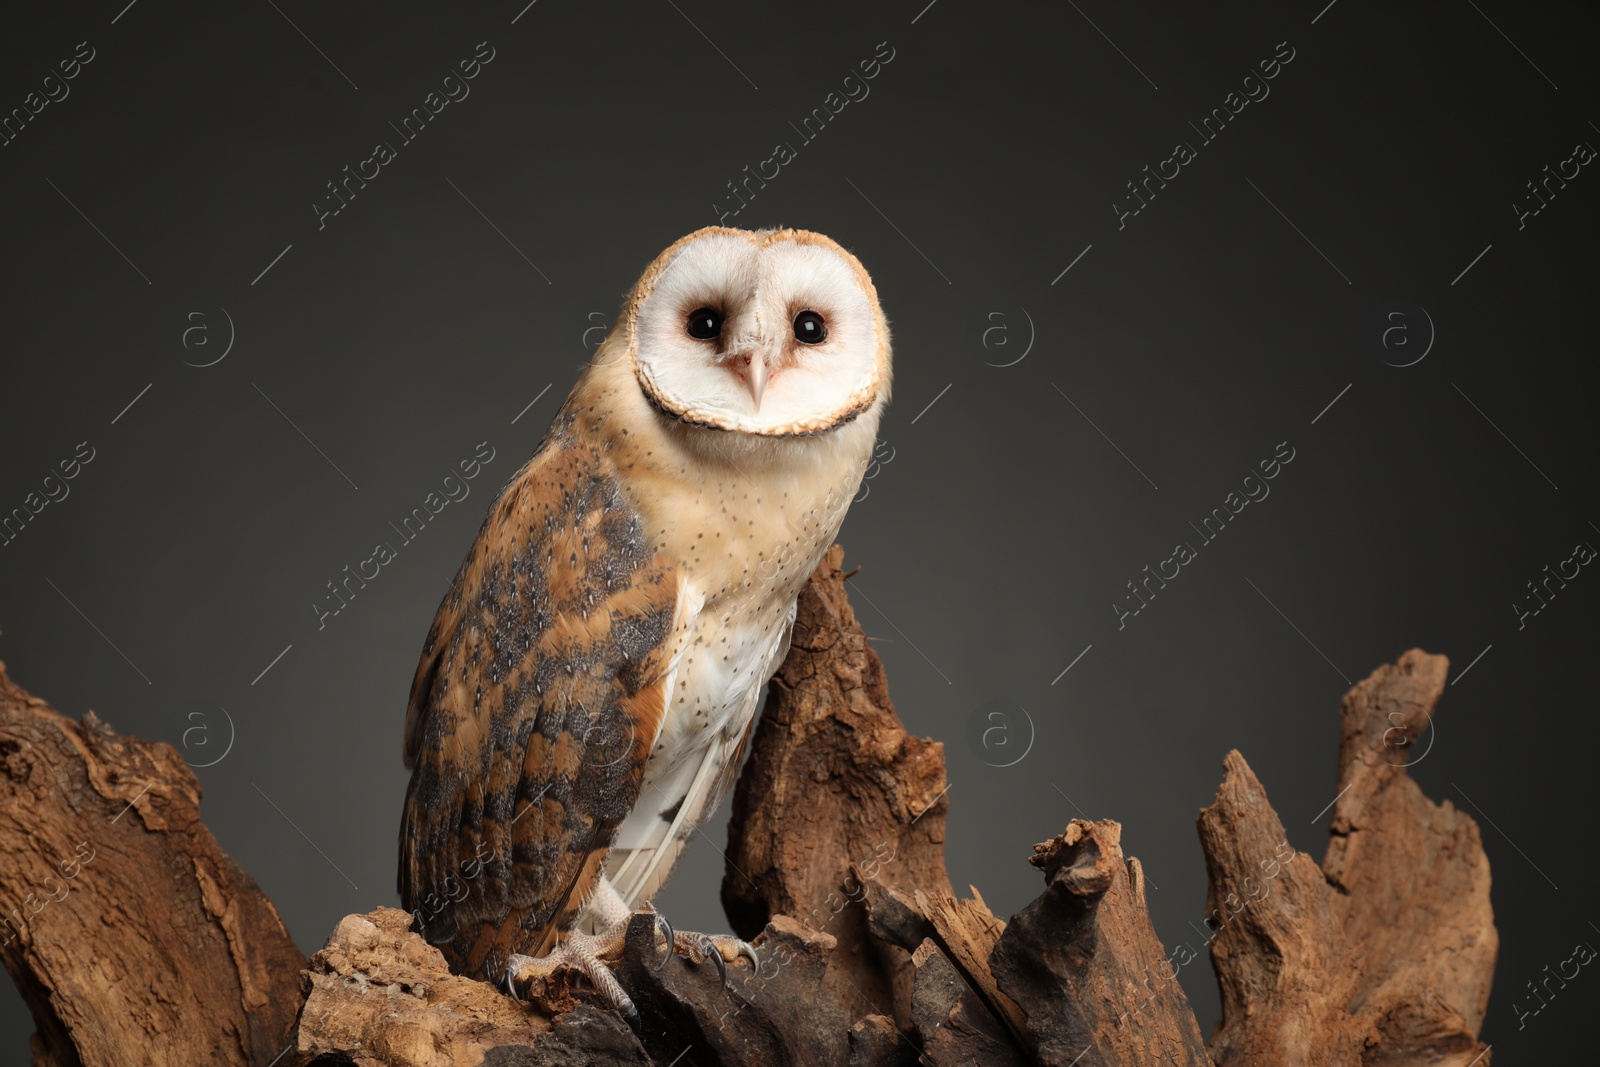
pixel 582 953
pixel 733 948
pixel 721 949
pixel 716 957
pixel 661 920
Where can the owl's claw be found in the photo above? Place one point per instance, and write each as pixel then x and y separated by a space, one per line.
pixel 721 949
pixel 748 951
pixel 584 953
pixel 593 955
pixel 697 948
pixel 671 938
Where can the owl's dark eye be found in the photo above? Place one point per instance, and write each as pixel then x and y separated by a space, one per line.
pixel 705 324
pixel 809 328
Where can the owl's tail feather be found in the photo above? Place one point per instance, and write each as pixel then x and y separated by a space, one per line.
pixel 639 867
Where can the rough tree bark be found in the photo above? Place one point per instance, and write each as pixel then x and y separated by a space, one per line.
pixel 1381 955
pixel 834 781
pixel 131 935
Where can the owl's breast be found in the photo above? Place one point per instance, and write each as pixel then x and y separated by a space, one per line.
pixel 713 696
pixel 742 522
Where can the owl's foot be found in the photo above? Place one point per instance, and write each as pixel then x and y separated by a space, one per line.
pixel 721 949
pixel 611 914
pixel 591 955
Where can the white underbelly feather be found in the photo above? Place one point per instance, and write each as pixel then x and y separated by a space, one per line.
pixel 718 688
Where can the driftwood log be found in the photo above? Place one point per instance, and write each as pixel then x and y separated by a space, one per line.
pixel 134 939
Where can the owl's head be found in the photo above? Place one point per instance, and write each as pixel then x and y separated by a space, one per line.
pixel 775 332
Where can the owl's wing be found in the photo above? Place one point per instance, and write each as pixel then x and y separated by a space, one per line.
pixel 539 695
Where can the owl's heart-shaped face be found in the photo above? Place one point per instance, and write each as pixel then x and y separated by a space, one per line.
pixel 775 333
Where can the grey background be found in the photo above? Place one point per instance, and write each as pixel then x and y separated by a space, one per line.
pixel 994 542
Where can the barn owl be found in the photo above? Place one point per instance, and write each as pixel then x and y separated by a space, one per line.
pixel 588 686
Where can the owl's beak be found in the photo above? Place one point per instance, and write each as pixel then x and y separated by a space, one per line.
pixel 755 378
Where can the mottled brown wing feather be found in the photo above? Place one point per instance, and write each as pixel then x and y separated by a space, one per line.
pixel 534 707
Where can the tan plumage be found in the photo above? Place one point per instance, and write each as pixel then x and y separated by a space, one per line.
pixel 588 685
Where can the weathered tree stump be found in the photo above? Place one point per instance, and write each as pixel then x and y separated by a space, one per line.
pixel 131 935
pixel 1085 966
pixel 1383 954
